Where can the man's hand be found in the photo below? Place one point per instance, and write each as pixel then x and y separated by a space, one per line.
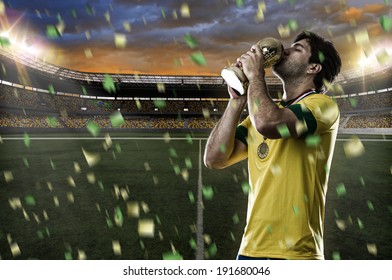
pixel 252 63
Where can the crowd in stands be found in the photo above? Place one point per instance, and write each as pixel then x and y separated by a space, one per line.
pixel 49 110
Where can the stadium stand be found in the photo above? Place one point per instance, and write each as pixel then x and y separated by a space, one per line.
pixel 56 98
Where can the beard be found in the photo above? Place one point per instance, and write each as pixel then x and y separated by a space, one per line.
pixel 287 70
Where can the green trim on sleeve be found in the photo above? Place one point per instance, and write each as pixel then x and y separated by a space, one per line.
pixel 306 115
pixel 241 134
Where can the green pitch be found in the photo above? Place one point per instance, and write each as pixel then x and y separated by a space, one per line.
pixel 133 196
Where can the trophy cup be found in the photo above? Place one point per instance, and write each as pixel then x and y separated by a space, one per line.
pixel 272 50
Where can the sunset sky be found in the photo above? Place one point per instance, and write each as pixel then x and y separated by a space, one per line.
pixel 160 37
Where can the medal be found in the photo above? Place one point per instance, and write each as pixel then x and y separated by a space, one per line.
pixel 262 150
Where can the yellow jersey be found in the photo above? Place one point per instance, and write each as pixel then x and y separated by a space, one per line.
pixel 286 201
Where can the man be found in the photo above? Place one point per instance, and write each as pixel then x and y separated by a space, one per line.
pixel 289 147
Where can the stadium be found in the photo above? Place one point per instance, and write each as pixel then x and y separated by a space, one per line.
pixel 109 166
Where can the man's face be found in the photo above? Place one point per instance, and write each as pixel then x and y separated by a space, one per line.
pixel 294 62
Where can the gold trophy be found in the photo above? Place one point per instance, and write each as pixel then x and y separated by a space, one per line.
pixel 272 50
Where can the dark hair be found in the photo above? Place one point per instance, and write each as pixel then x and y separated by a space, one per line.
pixel 322 52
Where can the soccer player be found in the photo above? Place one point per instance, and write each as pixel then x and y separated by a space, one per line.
pixel 289 147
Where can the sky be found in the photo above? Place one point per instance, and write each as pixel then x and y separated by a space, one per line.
pixel 188 37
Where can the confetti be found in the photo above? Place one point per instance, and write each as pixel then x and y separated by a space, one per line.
pixel 91 158
pixel 26 140
pixel 15 203
pixel 190 41
pixel 5 42
pixel 117 119
pixel 146 228
pixel 206 113
pixel 88 53
pixel 116 247
pixel 284 31
pixel 372 249
pixel 192 243
pixel 8 176
pixel 283 130
pixel 245 187
pixel 198 58
pixel 172 256
pixel 30 200
pixel 212 250
pixel 382 57
pixel 336 255
pixel 353 148
pixel 261 8
pixel 293 25
pixel 341 190
pixel 191 197
pixel 108 83
pixel 185 174
pixel 52 32
pixel 93 128
pixel 133 209
pixel 360 223
pixel 71 181
pixel 76 167
pixel 361 37
pixel 81 255
pixel 52 121
pixel 70 197
pixel 90 11
pixel 120 40
pixel 127 26
pixel 161 87
pixel 160 104
pixel 188 163
pixel 239 3
pixel 235 219
pixel 321 57
pixel 91 178
pixel 2 8
pixel 295 210
pixel 56 201
pixel 208 192
pixel 386 23
pixel 370 205
pixel 52 164
pixel 185 11
pixel 15 250
pixel 313 140
pixel 118 216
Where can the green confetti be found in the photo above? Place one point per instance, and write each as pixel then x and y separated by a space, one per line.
pixel 73 13
pixel 336 255
pixel 341 190
pixel 295 210
pixel 52 121
pixel 116 119
pixel 321 57
pixel 190 41
pixel 362 181
pixel 26 140
pixel 188 163
pixel 360 223
pixel 89 10
pixel 118 148
pixel 84 91
pixel 353 102
pixel 245 187
pixel 52 164
pixel 173 153
pixel 109 223
pixel 313 140
pixel 192 243
pixel 222 148
pixel 188 138
pixel 108 83
pixel 118 215
pixel 208 192
pixel 26 162
pixel 68 255
pixel 293 25
pixel 212 250
pixel 198 58
pixel 160 104
pixel 239 3
pixel 235 219
pixel 93 128
pixel 191 197
pixel 177 169
pixel 269 229
pixel 283 130
pixel 100 185
pixel 5 42
pixel 386 23
pixel 40 234
pixel 163 13
pixel 158 220
pixel 52 32
pixel 30 200
pixel 171 256
pixel 336 213
pixel 370 205
pixel 51 89
pixel 232 236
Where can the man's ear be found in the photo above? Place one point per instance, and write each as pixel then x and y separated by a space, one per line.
pixel 314 68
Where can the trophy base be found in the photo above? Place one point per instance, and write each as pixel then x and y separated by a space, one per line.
pixel 236 79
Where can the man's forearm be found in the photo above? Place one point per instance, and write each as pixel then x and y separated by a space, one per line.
pixel 220 143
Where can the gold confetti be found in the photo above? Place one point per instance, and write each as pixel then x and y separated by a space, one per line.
pixel 161 87
pixel 127 26
pixel 70 197
pixel 15 203
pixel 145 207
pixel 284 31
pixel 166 137
pixel 88 53
pixel 91 177
pixel 341 224
pixel 372 249
pixel 361 37
pixel 185 11
pixel 71 181
pixel 353 148
pixel 81 255
pixel 2 8
pixel 185 174
pixel 108 140
pixel 76 167
pixel 146 228
pixel 15 250
pixel 120 40
pixel 91 158
pixel 56 201
pixel 8 176
pixel 116 247
pixel 133 209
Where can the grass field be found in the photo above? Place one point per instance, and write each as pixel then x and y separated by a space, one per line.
pixel 150 197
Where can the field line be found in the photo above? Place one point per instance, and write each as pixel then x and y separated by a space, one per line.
pixel 199 231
